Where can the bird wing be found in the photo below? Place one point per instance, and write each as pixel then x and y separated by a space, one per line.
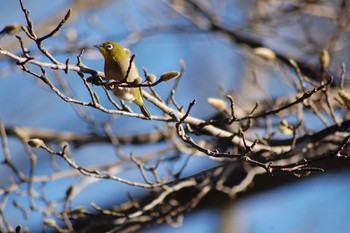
pixel 133 74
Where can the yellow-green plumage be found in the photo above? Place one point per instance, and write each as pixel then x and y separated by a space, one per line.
pixel 117 61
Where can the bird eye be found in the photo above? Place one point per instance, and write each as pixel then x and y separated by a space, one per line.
pixel 109 46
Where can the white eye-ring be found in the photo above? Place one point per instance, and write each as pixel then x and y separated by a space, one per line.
pixel 109 46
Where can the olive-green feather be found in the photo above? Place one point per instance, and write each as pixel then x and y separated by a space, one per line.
pixel 117 62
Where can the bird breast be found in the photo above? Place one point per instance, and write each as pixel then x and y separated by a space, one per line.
pixel 118 72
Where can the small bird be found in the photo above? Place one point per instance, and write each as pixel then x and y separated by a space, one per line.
pixel 117 62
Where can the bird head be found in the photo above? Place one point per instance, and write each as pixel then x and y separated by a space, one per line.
pixel 112 50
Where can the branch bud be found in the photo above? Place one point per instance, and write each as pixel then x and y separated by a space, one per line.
pixel 285 128
pixel 151 78
pixel 265 53
pixel 324 58
pixel 50 222
pixel 166 76
pixel 137 80
pixel 217 103
pixel 66 17
pixel 70 191
pixel 36 142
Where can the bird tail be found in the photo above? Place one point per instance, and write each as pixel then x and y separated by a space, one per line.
pixel 145 111
pixel 139 101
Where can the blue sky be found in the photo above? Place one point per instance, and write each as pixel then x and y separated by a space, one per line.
pixel 318 204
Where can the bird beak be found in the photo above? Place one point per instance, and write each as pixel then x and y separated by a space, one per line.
pixel 97 46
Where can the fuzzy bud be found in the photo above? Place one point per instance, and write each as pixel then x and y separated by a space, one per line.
pixel 166 76
pixel 217 103
pixel 265 53
pixel 285 128
pixel 137 81
pixel 36 142
pixel 151 78
pixel 324 58
pixel 50 222
pixel 69 191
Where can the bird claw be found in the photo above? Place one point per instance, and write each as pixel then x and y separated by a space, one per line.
pixel 95 80
pixel 110 84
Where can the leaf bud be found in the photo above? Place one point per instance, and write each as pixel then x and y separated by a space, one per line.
pixel 151 78
pixel 36 142
pixel 324 58
pixel 265 53
pixel 217 103
pixel 166 76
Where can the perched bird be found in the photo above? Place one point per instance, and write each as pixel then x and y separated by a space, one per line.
pixel 117 62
